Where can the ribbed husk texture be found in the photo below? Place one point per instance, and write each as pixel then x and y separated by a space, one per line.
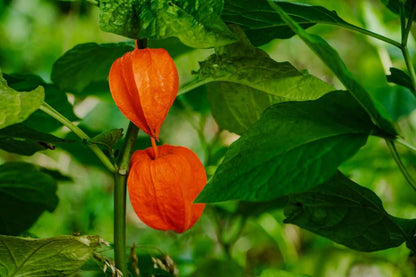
pixel 144 84
pixel 162 189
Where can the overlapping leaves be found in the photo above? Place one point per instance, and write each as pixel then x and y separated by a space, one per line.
pixel 292 148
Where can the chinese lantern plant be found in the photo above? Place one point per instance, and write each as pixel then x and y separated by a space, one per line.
pixel 163 181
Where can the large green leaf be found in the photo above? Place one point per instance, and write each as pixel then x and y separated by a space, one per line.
pixel 332 59
pixel 262 25
pixel 25 192
pixel 196 23
pixel 56 256
pixel 23 140
pixel 85 64
pixel 244 80
pixel 17 106
pixel 349 214
pixel 292 148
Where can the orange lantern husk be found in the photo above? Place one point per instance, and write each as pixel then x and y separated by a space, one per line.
pixel 144 84
pixel 162 188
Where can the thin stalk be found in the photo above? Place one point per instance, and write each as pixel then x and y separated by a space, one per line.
pixel 120 181
pixel 402 167
pixel 406 144
pixel 81 134
pixel 154 147
pixel 371 34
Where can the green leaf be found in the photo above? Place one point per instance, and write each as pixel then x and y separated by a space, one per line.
pixel 23 140
pixel 196 23
pixel 394 6
pixel 25 192
pixel 293 147
pixel 332 59
pixel 261 24
pixel 54 97
pixel 85 64
pixel 107 139
pixel 246 81
pixel 16 106
pixel 398 101
pixel 349 214
pixel 56 256
pixel 399 77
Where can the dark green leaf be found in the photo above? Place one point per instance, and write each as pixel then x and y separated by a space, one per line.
pixel 195 23
pixel 107 139
pixel 394 6
pixel 57 175
pixel 219 268
pixel 261 24
pixel 85 64
pixel 332 59
pixel 247 209
pixel 399 77
pixel 57 99
pixel 293 147
pixel 349 214
pixel 398 101
pixel 23 140
pixel 16 106
pixel 56 256
pixel 25 192
pixel 247 81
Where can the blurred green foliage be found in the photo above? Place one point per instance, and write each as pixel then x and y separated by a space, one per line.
pixel 35 33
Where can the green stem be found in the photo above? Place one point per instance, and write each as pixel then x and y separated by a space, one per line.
pixel 405 36
pixel 372 34
pixel 402 167
pixel 120 187
pixel 120 180
pixel 406 144
pixel 81 134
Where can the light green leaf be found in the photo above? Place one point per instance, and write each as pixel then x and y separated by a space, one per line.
pixel 196 23
pixel 349 214
pixel 16 106
pixel 58 99
pixel 85 64
pixel 292 148
pixel 25 192
pixel 56 256
pixel 332 59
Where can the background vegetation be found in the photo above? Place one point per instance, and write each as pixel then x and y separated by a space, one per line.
pixel 229 240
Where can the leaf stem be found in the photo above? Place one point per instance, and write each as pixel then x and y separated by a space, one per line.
pixel 402 167
pixel 406 144
pixel 372 34
pixel 46 108
pixel 120 181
